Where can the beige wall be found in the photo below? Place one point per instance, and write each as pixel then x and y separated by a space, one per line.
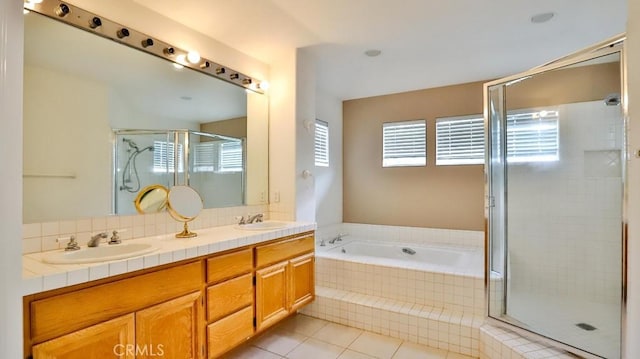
pixel 441 196
pixel 430 196
pixel 236 127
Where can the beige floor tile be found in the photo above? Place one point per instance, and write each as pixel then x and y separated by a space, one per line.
pixel 313 348
pixel 279 341
pixel 303 324
pixel 337 334
pixel 350 354
pixel 418 351
pixel 376 345
pixel 251 352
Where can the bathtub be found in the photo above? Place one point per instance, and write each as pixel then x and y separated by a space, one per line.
pixel 438 259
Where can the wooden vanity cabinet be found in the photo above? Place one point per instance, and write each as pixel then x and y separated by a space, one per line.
pixel 285 282
pixel 190 310
pixel 143 316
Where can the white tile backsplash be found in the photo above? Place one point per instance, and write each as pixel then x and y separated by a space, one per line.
pixel 39 237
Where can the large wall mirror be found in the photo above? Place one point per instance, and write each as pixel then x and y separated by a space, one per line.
pixel 82 92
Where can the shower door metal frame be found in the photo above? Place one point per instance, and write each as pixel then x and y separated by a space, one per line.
pixel 610 46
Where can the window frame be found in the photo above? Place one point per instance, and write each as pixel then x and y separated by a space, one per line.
pixel 321 159
pixel 462 161
pixel 391 158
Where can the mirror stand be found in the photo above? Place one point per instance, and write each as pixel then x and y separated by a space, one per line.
pixel 186 233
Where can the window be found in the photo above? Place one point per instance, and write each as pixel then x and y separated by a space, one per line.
pixel 164 157
pixel 532 136
pixel 404 143
pixel 218 157
pixel 231 157
pixel 322 144
pixel 460 141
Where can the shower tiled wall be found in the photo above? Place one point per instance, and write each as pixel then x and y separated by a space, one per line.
pixel 564 217
pixel 39 237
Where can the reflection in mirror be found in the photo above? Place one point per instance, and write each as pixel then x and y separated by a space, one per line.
pixel 151 199
pixel 184 204
pixel 557 154
pixel 212 164
pixel 79 87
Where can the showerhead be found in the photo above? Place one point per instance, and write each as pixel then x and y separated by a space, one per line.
pixel 131 144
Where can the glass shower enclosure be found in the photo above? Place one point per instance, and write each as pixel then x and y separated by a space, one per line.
pixel 212 164
pixel 555 197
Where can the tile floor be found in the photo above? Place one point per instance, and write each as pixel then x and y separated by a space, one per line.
pixel 303 337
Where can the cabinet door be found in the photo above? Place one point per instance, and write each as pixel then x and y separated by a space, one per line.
pixel 111 339
pixel 302 284
pixel 173 329
pixel 271 295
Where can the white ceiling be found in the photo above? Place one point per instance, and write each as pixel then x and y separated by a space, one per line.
pixel 424 43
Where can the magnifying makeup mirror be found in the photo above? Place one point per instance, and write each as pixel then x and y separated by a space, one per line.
pixel 184 204
pixel 151 199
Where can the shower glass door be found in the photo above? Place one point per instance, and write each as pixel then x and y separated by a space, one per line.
pixel 555 171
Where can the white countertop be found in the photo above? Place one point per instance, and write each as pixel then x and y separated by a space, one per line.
pixel 38 276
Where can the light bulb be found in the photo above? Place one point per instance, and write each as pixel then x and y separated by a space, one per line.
pixel 264 85
pixel 193 57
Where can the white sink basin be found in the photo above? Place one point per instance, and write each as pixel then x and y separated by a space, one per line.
pixel 262 226
pixel 100 254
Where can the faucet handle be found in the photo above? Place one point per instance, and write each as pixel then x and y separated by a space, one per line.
pixel 115 238
pixel 72 245
pixel 240 219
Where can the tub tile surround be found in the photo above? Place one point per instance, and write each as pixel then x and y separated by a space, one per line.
pixel 428 236
pixel 39 276
pixel 445 311
pixel 441 309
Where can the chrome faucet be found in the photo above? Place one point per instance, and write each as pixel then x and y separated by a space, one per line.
pixel 337 238
pixel 255 218
pixel 95 240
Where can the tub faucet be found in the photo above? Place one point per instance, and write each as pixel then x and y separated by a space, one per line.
pixel 337 238
pixel 95 240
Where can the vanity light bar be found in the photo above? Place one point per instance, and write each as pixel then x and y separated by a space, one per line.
pixel 88 21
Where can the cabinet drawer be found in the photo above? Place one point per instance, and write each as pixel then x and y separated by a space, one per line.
pixel 66 313
pixel 229 265
pixel 273 253
pixel 230 331
pixel 229 296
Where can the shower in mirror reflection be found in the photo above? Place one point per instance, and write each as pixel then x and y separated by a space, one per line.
pixel 130 177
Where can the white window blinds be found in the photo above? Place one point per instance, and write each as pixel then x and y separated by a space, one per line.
pixel 322 144
pixel 231 157
pixel 532 136
pixel 218 157
pixel 164 157
pixel 404 143
pixel 204 157
pixel 460 141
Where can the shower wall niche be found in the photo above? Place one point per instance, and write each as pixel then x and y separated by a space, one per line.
pixel 214 165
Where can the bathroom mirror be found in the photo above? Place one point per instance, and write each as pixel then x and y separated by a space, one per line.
pixel 151 199
pixel 184 204
pixel 79 87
